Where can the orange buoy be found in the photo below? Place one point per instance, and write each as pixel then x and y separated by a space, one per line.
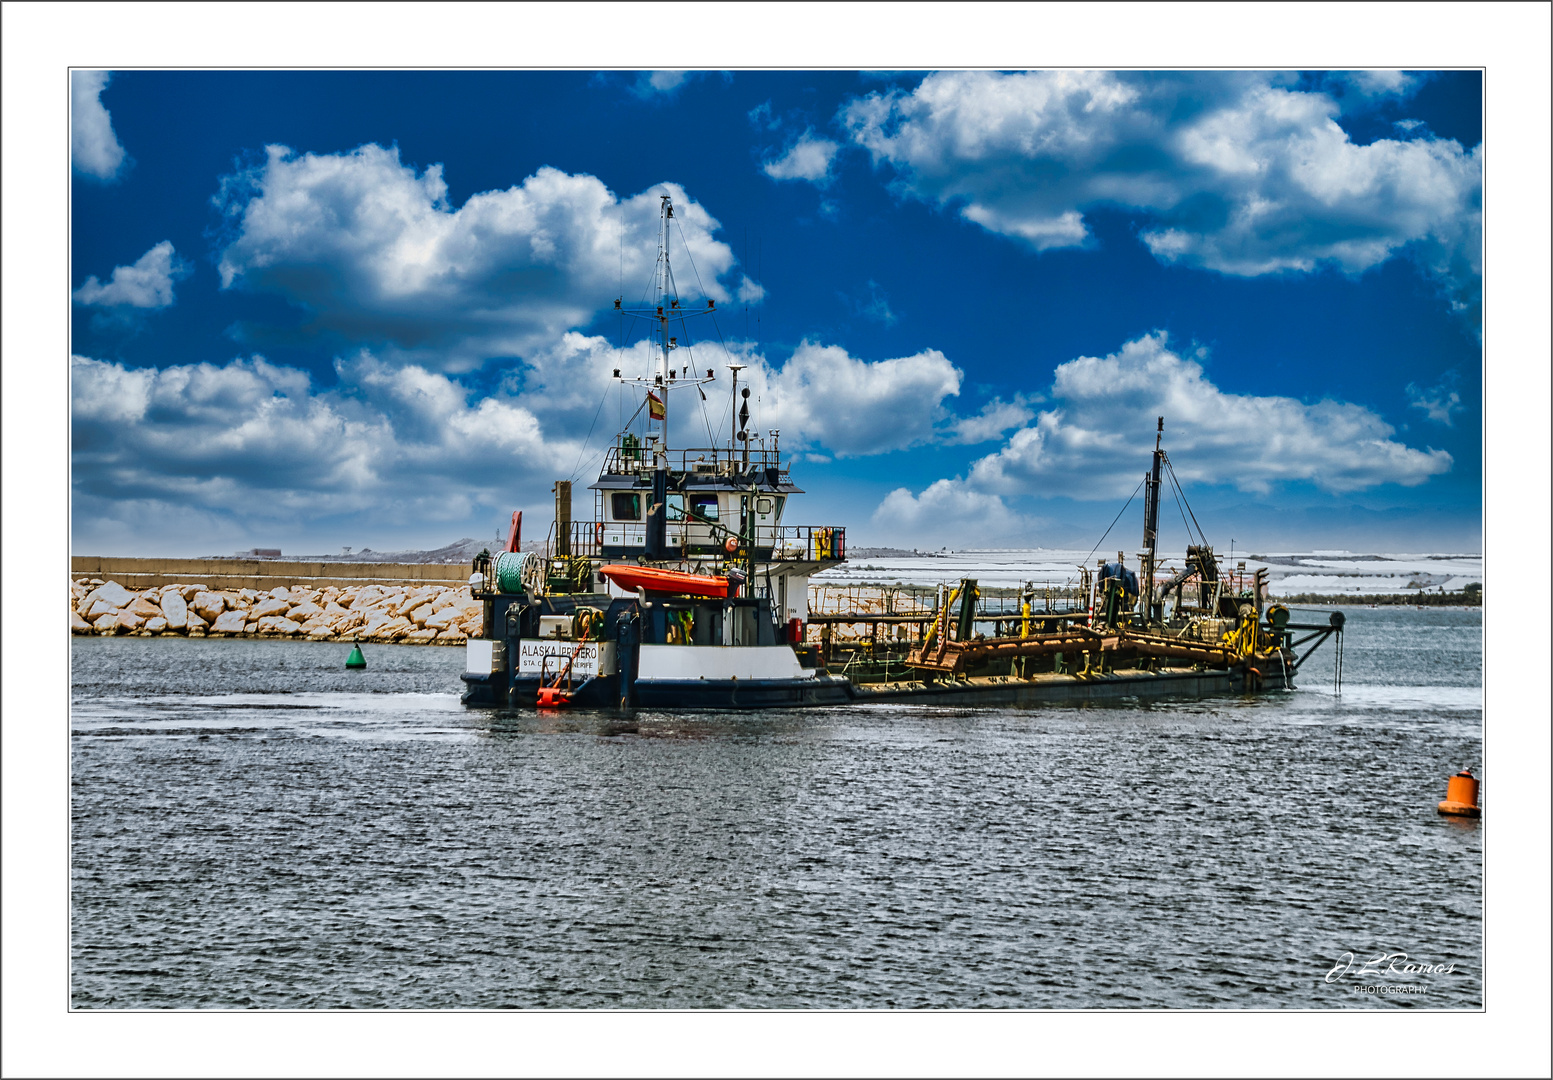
pixel 554 697
pixel 1461 795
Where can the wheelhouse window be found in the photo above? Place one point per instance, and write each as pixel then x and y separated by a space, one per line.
pixel 626 505
pixel 704 507
pixel 676 507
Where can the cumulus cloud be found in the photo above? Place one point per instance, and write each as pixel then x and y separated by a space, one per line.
pixel 1439 402
pixel 823 397
pixel 374 251
pixel 944 512
pixel 94 148
pixel 996 417
pixel 1240 174
pixel 250 441
pixel 1368 87
pixel 750 292
pixel 763 116
pixel 148 283
pixel 256 446
pixel 661 85
pixel 807 158
pixel 1094 440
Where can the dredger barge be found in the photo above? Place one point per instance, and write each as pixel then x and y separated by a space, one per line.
pixel 688 590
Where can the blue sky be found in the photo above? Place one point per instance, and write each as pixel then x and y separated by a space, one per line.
pixel 316 309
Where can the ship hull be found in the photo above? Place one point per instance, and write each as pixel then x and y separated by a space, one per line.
pixel 735 695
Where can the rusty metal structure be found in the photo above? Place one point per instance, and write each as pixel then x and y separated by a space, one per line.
pixel 1200 629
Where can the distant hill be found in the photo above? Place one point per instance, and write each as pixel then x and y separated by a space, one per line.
pixel 459 551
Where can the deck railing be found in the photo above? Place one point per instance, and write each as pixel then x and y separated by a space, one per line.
pixel 775 543
pixel 708 460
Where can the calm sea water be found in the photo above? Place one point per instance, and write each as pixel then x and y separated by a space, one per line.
pixel 255 827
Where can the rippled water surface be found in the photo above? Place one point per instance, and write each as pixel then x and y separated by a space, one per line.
pixel 254 826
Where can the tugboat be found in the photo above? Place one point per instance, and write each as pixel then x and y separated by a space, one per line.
pixel 688 590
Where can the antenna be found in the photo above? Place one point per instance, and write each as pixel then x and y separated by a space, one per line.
pixel 733 430
pixel 660 382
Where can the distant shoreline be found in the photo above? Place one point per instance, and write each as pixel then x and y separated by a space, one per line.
pixel 1453 599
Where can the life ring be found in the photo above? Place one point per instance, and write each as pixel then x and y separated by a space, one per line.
pixel 598 534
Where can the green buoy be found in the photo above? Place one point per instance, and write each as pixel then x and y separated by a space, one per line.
pixel 355 660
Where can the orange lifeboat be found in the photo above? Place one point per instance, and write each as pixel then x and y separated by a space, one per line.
pixel 668 581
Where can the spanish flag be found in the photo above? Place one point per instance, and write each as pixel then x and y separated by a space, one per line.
pixel 654 406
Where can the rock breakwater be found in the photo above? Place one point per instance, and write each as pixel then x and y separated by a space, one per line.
pixel 412 615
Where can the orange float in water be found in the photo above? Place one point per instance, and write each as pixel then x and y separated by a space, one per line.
pixel 554 697
pixel 1461 795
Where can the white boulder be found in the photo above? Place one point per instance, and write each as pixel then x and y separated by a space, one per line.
pixel 208 605
pixel 419 615
pixel 112 592
pixel 144 608
pixel 441 619
pixel 388 630
pixel 229 622
pixel 175 610
pixel 277 624
pixel 97 609
pixel 273 606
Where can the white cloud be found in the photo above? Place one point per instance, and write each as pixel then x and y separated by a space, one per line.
pixel 1376 84
pixel 951 512
pixel 762 116
pixel 94 148
pixel 252 448
pixel 1095 440
pixel 375 252
pixel 822 397
pixel 146 284
pixel 251 442
pixel 1241 175
pixel 807 158
pixel 1440 402
pixel 750 292
pixel 996 417
pixel 661 84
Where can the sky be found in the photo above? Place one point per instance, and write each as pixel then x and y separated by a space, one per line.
pixel 318 309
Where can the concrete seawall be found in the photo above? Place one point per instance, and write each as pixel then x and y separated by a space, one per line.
pixel 262 575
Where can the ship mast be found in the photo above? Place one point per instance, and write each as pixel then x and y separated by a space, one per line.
pixel 1151 522
pixel 665 290
pixel 664 378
